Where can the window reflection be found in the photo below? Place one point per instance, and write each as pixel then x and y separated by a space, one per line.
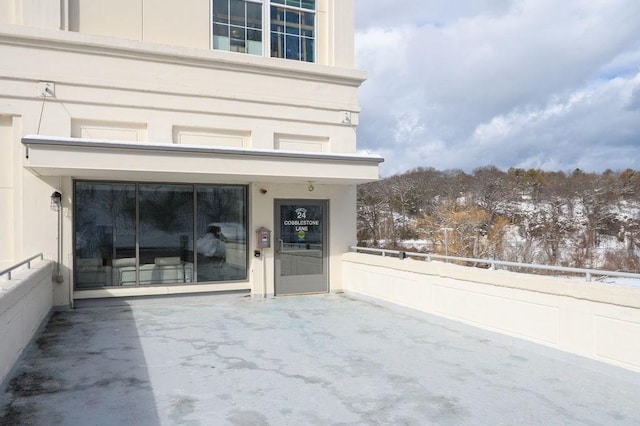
pixel 293 30
pixel 302 237
pixel 127 234
pixel 166 234
pixel 221 230
pixel 105 217
pixel 237 26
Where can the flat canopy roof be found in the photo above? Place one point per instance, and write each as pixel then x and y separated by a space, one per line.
pixel 104 159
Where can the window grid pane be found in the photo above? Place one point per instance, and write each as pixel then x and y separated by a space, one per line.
pixel 221 11
pixel 298 40
pixel 293 22
pixel 244 19
pixel 237 14
pixel 302 4
pixel 238 27
pixel 292 47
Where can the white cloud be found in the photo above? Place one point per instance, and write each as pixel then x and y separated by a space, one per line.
pixel 499 82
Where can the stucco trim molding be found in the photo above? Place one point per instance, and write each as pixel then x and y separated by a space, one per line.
pixel 201 58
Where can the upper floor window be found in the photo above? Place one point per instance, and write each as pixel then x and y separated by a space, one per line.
pixel 239 26
pixel 293 29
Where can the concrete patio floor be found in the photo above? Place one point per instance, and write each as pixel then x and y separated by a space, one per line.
pixel 300 360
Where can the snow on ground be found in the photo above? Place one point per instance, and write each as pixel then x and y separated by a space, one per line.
pixel 621 281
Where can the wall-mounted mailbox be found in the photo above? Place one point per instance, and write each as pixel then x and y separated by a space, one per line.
pixel 263 238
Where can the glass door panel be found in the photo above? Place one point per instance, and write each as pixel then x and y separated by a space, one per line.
pixel 301 249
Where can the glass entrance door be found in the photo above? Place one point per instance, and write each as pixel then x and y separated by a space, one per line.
pixel 301 247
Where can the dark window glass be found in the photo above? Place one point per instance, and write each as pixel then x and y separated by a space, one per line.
pixel 299 27
pixel 301 249
pixel 293 18
pixel 308 25
pixel 237 14
pixel 277 45
pixel 305 4
pixel 292 47
pixel 128 234
pixel 105 232
pixel 308 4
pixel 221 229
pixel 254 35
pixel 221 30
pixel 277 19
pixel 221 11
pixel 242 17
pixel 254 15
pixel 293 22
pixel 166 234
pixel 308 50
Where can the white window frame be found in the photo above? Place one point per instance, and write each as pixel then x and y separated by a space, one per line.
pixel 264 22
pixel 298 9
pixel 266 29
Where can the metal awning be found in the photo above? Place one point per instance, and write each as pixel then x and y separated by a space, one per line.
pixel 104 159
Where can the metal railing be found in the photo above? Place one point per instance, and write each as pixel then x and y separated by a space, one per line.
pixel 588 273
pixel 18 265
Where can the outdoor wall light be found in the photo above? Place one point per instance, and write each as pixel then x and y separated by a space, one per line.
pixel 311 187
pixel 56 201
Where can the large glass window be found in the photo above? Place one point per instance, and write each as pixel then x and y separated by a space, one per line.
pixel 293 29
pixel 129 234
pixel 238 27
pixel 166 234
pixel 105 231
pixel 221 244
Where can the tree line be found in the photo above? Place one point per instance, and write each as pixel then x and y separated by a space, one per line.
pixel 578 219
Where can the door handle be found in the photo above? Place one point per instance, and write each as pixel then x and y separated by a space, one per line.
pixel 280 245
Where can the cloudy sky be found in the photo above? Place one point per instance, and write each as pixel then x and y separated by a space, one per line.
pixel 460 84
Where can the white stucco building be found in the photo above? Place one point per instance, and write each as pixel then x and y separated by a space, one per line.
pixel 173 132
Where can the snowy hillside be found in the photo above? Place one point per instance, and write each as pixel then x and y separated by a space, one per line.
pixel 532 216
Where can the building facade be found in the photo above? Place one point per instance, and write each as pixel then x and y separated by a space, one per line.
pixel 163 147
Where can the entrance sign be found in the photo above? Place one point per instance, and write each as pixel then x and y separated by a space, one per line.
pixel 301 251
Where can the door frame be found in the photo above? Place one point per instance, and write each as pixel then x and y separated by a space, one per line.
pixel 278 227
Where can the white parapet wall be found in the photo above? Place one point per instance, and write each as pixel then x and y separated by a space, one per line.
pixel 595 320
pixel 25 302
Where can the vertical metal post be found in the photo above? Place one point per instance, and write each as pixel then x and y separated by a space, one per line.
pixel 446 242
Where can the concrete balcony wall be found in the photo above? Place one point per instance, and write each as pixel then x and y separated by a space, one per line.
pixel 25 303
pixel 599 321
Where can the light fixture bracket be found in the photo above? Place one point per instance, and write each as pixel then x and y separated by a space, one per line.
pixel 56 201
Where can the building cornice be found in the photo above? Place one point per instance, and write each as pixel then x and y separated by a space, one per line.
pixel 67 41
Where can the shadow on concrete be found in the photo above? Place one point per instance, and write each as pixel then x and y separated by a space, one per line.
pixel 301 360
pixel 87 367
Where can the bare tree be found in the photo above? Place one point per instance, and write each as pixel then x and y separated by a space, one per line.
pixel 372 205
